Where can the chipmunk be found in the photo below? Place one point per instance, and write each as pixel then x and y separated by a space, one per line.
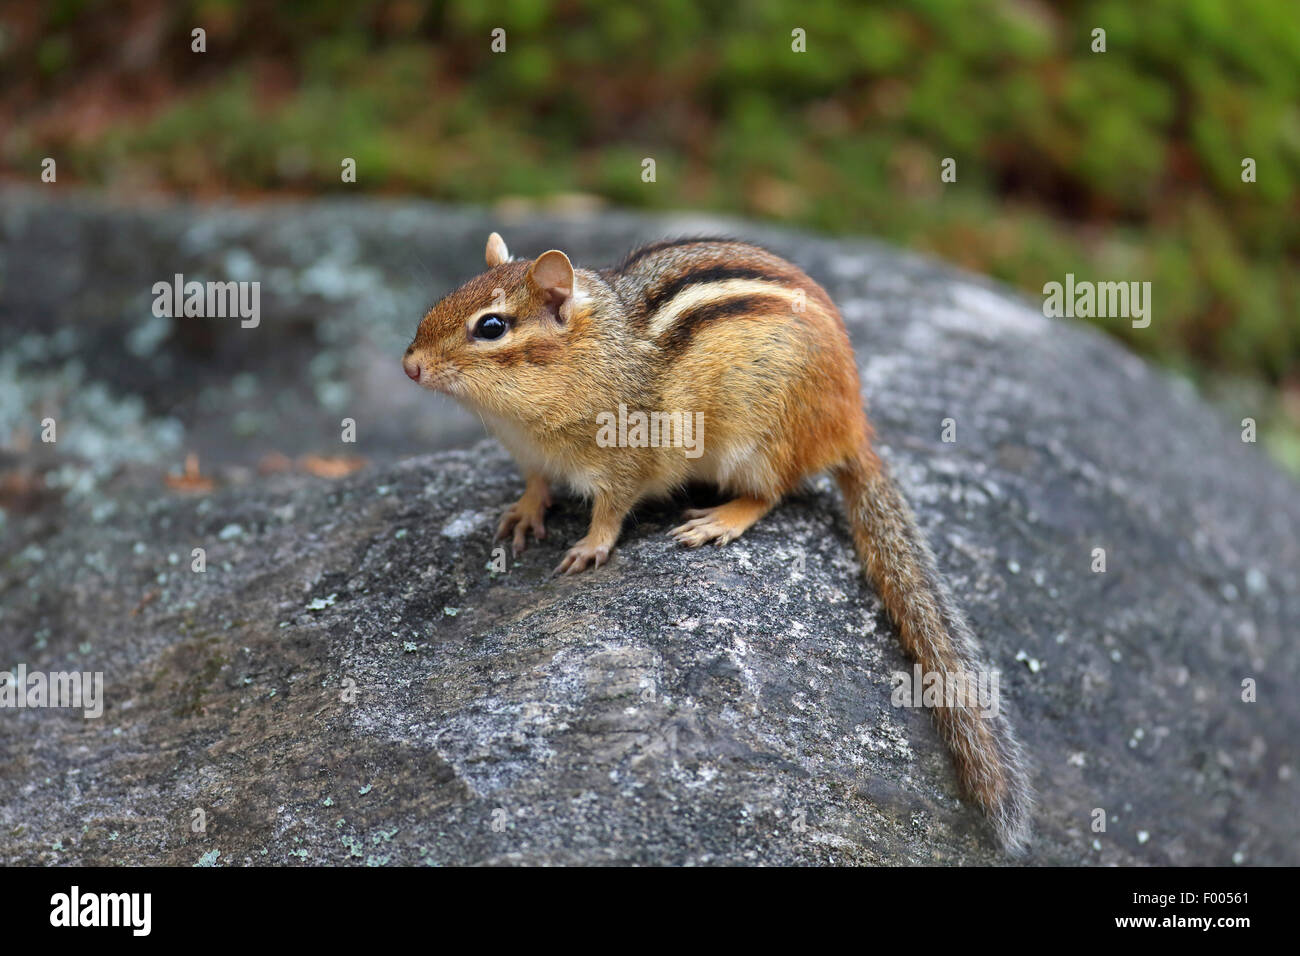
pixel 540 349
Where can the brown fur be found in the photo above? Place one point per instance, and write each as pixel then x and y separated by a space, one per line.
pixel 709 326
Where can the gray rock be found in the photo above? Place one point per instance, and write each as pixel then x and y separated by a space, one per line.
pixel 350 682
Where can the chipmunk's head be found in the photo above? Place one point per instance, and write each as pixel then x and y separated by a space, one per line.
pixel 501 342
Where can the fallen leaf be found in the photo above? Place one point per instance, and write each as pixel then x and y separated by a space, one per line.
pixel 330 467
pixel 274 464
pixel 192 481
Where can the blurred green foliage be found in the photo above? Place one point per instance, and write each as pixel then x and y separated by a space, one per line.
pixel 1125 164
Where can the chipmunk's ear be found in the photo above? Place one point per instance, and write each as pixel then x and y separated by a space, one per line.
pixel 497 252
pixel 552 274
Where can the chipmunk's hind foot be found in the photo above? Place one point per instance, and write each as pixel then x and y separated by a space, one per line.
pixel 722 524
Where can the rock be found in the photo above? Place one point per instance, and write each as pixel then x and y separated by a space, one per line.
pixel 348 681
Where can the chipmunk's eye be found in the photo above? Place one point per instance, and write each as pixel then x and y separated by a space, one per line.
pixel 491 326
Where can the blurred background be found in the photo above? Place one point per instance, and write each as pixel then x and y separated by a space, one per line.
pixel 1125 164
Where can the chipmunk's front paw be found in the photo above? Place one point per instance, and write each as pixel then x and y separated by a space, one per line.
pixel 581 556
pixel 521 517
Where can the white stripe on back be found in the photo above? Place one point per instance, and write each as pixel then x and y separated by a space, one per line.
pixel 709 292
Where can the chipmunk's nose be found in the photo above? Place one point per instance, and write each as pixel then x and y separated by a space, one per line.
pixel 411 367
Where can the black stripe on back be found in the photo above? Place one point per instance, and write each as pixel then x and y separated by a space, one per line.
pixel 664 293
pixel 683 330
pixel 636 255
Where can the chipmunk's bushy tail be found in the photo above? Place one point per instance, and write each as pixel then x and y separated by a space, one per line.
pixel 934 633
